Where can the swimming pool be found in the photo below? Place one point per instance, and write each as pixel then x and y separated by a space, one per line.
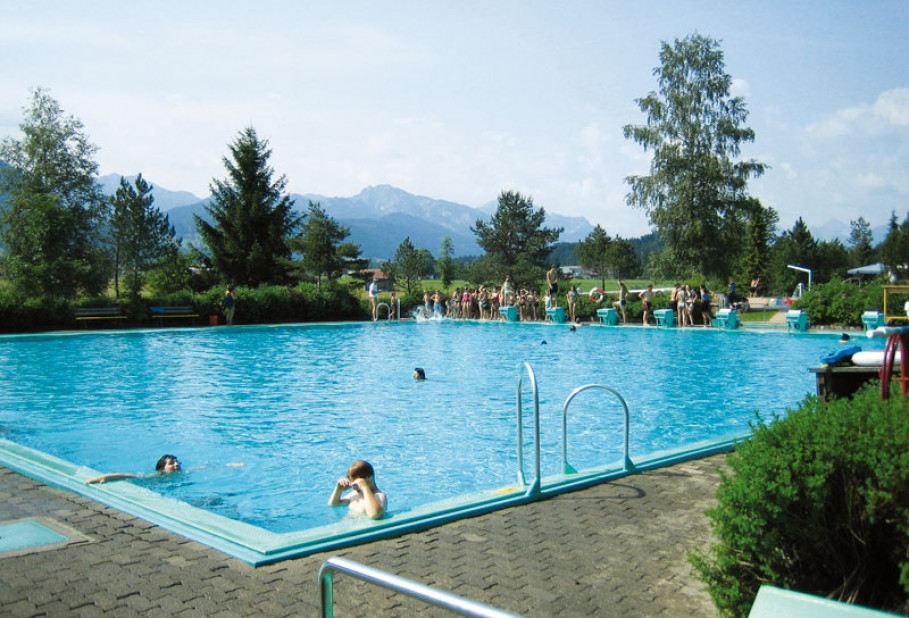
pixel 294 404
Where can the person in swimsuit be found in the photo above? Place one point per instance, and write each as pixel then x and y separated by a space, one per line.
pixel 362 497
pixel 552 280
pixel 620 304
pixel 647 300
pixel 166 464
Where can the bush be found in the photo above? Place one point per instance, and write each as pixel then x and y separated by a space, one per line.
pixel 818 502
pixel 840 303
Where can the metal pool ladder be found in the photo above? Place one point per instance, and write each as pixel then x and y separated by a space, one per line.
pixel 566 467
pixel 535 488
pixel 440 598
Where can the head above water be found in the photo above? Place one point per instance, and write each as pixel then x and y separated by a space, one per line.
pixel 419 374
pixel 167 464
pixel 360 469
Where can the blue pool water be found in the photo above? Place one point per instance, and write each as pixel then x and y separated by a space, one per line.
pixel 296 404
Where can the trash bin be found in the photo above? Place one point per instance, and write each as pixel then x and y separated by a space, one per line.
pixel 213 320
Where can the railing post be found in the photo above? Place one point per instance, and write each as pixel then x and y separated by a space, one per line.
pixel 627 463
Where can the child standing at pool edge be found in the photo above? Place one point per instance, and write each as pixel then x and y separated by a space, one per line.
pixel 364 498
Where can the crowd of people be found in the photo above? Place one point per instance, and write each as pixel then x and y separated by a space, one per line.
pixel 691 305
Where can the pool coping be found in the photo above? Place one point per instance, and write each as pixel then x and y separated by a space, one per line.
pixel 257 546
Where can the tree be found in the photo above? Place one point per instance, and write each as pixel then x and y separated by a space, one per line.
pixel 248 241
pixel 445 262
pixel 53 217
pixel 760 231
pixel 594 252
pixel 515 241
pixel 895 248
pixel 861 242
pixel 320 243
pixel 141 234
pixel 696 193
pixel 796 247
pixel 409 265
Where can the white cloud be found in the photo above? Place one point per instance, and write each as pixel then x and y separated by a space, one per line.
pixel 891 109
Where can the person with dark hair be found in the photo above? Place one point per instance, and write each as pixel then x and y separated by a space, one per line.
pixel 419 374
pixel 165 465
pixel 362 497
pixel 230 304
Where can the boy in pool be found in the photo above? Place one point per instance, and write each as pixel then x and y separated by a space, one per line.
pixel 165 465
pixel 364 498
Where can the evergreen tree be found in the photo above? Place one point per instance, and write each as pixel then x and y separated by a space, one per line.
pixel 409 265
pixel 320 244
pixel 895 248
pixel 861 242
pixel 760 232
pixel 796 247
pixel 696 192
pixel 141 234
pixel 53 218
pixel 253 221
pixel 445 262
pixel 515 241
pixel 594 252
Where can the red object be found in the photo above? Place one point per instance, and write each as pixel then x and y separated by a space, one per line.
pixel 213 320
pixel 894 343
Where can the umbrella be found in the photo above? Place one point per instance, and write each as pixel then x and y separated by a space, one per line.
pixel 870 269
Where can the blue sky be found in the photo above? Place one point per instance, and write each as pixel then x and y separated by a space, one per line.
pixel 462 100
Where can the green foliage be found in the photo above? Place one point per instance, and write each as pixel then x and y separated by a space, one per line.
pixel 54 210
pixel 252 218
pixel 818 502
pixel 516 242
pixel 321 244
pixel 696 193
pixel 409 266
pixel 895 247
pixel 141 235
pixel 445 263
pixel 840 303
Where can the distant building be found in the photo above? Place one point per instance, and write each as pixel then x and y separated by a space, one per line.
pixel 577 271
pixel 385 284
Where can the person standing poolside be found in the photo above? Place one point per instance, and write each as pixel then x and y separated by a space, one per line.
pixel 573 303
pixel 552 281
pixel 623 295
pixel 507 292
pixel 372 291
pixel 165 465
pixel 393 307
pixel 230 303
pixel 362 497
pixel 647 300
pixel 680 298
pixel 705 305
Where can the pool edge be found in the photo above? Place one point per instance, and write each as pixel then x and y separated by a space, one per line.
pixel 257 546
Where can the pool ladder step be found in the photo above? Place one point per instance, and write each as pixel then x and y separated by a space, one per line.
pixel 534 488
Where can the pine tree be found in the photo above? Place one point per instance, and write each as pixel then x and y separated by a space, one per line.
pixel 252 220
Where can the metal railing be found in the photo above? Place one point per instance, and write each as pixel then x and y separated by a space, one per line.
pixel 566 467
pixel 439 598
pixel 535 486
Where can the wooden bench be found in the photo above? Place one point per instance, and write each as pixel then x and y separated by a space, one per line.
pixel 183 311
pixel 83 314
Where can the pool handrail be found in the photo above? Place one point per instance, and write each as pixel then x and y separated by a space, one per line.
pixel 568 468
pixel 396 583
pixel 534 488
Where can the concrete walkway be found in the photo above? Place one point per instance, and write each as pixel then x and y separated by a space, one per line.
pixel 617 549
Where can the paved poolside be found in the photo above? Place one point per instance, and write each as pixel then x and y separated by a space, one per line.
pixel 617 549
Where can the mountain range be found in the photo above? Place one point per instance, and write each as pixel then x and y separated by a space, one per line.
pixel 381 217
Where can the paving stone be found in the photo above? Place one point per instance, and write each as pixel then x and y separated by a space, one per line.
pixel 613 549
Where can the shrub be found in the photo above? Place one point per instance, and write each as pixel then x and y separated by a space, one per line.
pixel 818 502
pixel 840 303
